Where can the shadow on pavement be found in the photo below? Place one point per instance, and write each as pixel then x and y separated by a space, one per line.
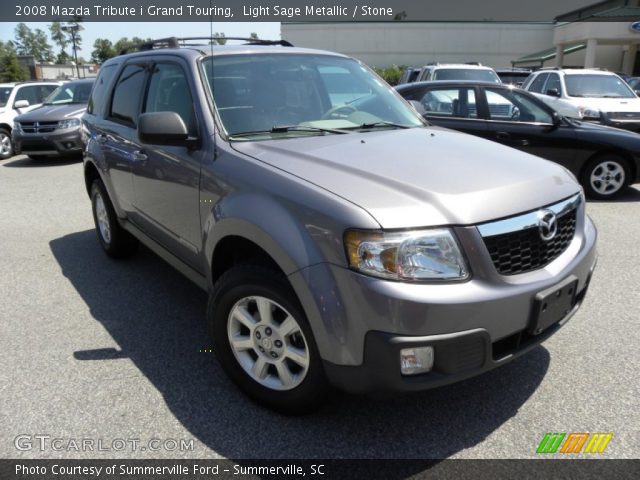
pixel 26 162
pixel 157 318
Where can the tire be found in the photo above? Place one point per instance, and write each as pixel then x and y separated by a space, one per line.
pixel 6 145
pixel 116 241
pixel 606 177
pixel 275 360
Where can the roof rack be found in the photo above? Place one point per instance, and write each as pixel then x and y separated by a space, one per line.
pixel 177 42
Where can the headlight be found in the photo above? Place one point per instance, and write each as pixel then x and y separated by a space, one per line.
pixel 412 255
pixel 17 127
pixel 72 122
pixel 586 112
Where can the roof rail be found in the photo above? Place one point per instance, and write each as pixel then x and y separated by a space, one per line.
pixel 478 64
pixel 177 42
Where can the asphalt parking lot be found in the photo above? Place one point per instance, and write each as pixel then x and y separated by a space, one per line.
pixel 97 349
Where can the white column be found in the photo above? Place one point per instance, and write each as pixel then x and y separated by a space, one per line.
pixel 590 57
pixel 559 55
pixel 629 59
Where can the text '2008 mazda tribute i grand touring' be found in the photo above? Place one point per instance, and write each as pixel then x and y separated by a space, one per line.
pixel 343 241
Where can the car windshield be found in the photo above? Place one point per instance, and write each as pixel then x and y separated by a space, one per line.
pixel 73 92
pixel 477 75
pixel 280 95
pixel 603 86
pixel 4 95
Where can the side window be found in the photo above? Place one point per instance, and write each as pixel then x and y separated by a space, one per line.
pixel 125 103
pixel 169 92
pixel 511 105
pixel 450 102
pixel 538 83
pixel 553 83
pixel 100 89
pixel 30 93
pixel 45 91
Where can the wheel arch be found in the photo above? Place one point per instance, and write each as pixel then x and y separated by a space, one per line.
pixel 631 161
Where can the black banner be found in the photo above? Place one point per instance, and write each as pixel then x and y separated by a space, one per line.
pixel 584 469
pixel 284 10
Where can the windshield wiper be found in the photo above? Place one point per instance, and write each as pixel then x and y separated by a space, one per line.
pixel 289 128
pixel 368 126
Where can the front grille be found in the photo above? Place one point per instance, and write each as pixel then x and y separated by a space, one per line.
pixel 38 127
pixel 524 250
pixel 624 115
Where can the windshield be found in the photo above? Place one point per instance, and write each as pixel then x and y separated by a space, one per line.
pixel 316 94
pixel 604 86
pixel 4 95
pixel 466 74
pixel 73 92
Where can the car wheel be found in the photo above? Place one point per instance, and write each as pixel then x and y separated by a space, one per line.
pixel 606 177
pixel 263 340
pixel 6 147
pixel 117 242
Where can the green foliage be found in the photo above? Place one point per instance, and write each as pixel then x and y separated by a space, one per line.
pixel 36 43
pixel 10 68
pixel 103 50
pixel 221 40
pixel 390 74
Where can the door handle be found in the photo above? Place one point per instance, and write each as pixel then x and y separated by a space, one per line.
pixel 139 156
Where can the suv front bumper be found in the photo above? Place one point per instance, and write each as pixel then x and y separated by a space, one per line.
pixel 361 323
pixel 63 143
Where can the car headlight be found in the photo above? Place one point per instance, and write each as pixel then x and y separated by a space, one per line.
pixel 72 122
pixel 586 112
pixel 17 127
pixel 411 255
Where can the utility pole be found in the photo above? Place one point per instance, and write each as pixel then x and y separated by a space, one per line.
pixel 73 29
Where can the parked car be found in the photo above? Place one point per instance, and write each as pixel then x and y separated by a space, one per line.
pixel 589 94
pixel 513 76
pixel 458 71
pixel 17 98
pixel 409 75
pixel 342 242
pixel 634 83
pixel 53 129
pixel 605 160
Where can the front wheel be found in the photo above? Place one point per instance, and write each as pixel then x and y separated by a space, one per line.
pixel 6 146
pixel 263 340
pixel 606 177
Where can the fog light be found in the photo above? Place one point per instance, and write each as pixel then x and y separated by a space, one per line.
pixel 416 360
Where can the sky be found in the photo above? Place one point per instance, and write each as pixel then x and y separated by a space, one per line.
pixel 116 30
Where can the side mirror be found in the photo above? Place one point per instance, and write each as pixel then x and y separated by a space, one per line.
pixel 553 92
pixel 21 104
pixel 418 107
pixel 637 92
pixel 162 128
pixel 556 118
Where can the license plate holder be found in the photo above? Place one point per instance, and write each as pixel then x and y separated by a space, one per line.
pixel 553 304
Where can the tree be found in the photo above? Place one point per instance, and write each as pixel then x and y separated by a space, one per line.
pixel 10 68
pixel 61 39
pixel 125 44
pixel 103 50
pixel 221 40
pixel 33 43
pixel 253 35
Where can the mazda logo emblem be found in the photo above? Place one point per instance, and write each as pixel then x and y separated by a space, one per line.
pixel 547 225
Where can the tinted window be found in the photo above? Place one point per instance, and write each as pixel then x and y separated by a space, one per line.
pixel 466 74
pixel 5 92
pixel 553 83
pixel 30 93
pixel 537 83
pixel 126 96
pixel 169 92
pixel 450 102
pixel 514 106
pixel 100 89
pixel 72 92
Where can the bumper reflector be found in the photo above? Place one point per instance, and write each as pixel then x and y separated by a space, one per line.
pixel 416 360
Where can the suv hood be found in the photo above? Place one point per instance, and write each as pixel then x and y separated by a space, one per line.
pixel 52 113
pixel 420 177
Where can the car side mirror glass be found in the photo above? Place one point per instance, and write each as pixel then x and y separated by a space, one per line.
pixel 162 128
pixel 556 118
pixel 21 104
pixel 418 107
pixel 553 92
